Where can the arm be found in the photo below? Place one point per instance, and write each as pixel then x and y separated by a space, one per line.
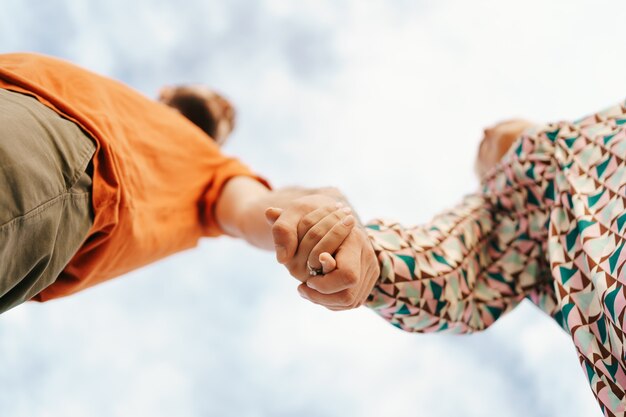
pixel 474 263
pixel 467 267
pixel 240 209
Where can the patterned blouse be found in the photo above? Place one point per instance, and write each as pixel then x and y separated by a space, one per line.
pixel 549 225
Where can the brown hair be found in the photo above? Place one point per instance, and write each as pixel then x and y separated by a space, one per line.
pixel 194 108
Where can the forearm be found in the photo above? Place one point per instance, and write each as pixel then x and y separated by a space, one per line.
pixel 434 278
pixel 470 265
pixel 240 211
pixel 449 275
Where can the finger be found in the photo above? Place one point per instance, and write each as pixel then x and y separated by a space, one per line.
pixel 328 262
pixel 348 263
pixel 366 284
pixel 285 231
pixel 315 234
pixel 285 237
pixel 369 270
pixel 331 308
pixel 334 282
pixel 272 214
pixel 314 217
pixel 332 240
pixel 357 255
pixel 340 300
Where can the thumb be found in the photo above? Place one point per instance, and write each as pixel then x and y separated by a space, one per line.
pixel 328 262
pixel 272 214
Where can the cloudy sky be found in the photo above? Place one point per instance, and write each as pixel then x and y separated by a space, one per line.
pixel 385 99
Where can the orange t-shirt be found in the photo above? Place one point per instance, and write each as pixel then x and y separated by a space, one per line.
pixel 156 175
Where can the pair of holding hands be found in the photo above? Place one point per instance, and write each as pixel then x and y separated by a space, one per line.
pixel 314 233
pixel 322 245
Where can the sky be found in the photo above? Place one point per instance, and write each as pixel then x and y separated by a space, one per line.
pixel 385 100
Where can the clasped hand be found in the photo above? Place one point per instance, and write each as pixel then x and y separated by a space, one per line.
pixel 315 233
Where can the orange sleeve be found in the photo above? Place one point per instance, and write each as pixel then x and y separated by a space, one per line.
pixel 229 168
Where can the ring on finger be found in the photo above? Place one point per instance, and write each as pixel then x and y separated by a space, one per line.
pixel 314 271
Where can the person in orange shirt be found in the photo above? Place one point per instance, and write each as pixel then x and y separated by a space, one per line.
pixel 97 180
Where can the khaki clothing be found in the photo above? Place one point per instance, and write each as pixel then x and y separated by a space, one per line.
pixel 157 177
pixel 45 195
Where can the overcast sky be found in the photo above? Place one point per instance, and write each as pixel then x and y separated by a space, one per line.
pixel 385 99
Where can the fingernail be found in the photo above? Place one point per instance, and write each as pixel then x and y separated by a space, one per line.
pixel 308 284
pixel 339 205
pixel 347 210
pixel 281 253
pixel 348 221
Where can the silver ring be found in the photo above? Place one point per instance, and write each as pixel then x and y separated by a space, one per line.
pixel 314 271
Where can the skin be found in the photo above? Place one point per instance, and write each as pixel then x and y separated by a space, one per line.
pixel 348 279
pixel 320 232
pixel 240 212
pixel 240 209
pixel 349 285
pixel 314 227
pixel 351 274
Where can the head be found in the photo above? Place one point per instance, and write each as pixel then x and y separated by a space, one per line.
pixel 202 106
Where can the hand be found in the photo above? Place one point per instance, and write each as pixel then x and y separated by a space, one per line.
pixel 496 142
pixel 303 232
pixel 350 284
pixel 357 266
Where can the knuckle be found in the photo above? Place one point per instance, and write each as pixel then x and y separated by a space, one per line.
pixel 358 302
pixel 280 229
pixel 315 234
pixel 307 222
pixel 346 298
pixel 338 233
pixel 314 257
pixel 293 266
pixel 350 278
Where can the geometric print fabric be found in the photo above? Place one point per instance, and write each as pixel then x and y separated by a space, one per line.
pixel 548 225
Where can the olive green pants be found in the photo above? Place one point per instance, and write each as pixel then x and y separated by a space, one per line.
pixel 45 195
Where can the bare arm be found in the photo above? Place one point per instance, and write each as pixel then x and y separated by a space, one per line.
pixel 240 209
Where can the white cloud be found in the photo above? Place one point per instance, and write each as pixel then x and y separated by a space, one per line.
pixel 386 100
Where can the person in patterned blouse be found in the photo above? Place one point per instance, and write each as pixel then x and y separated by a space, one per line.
pixel 548 225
